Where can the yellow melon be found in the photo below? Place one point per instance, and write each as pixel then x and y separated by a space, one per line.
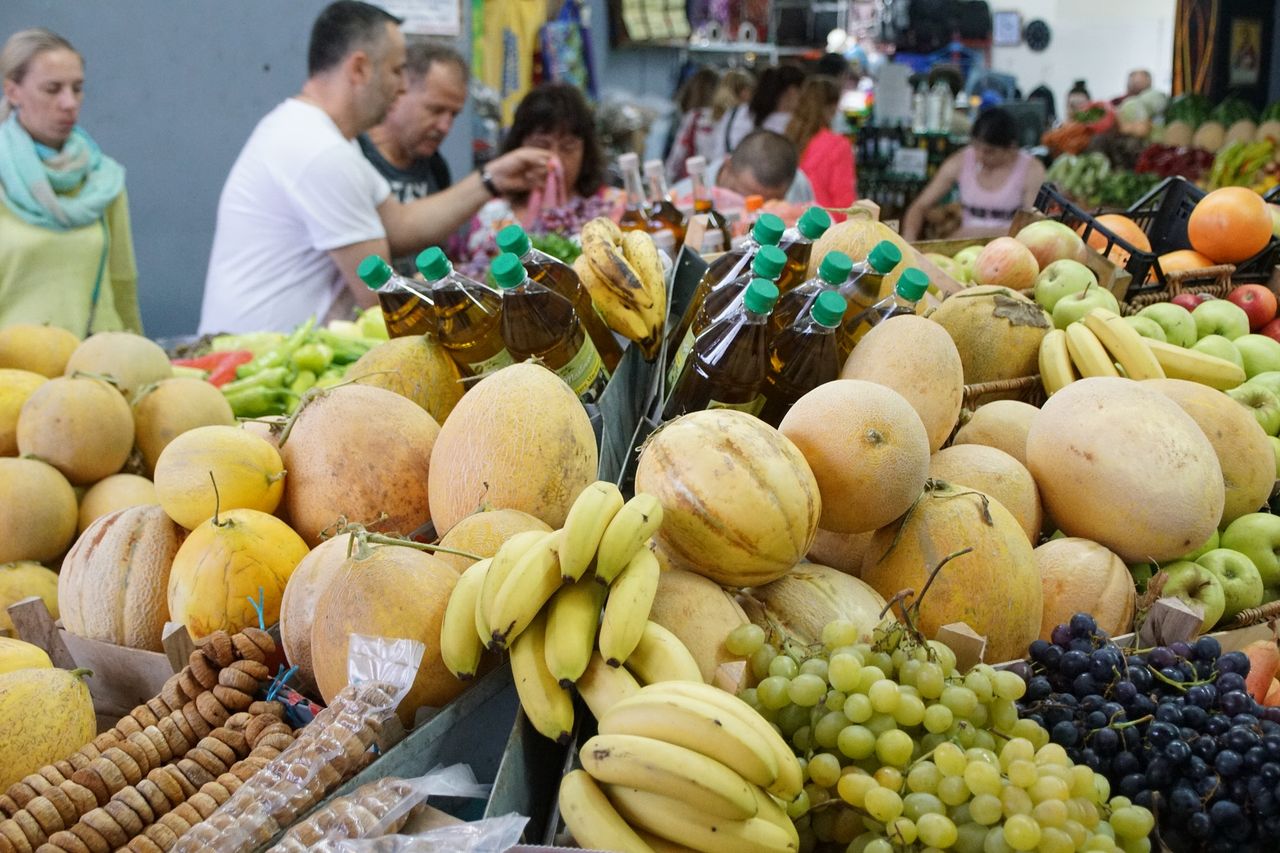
pixel 523 419
pixel 82 427
pixel 24 579
pixel 45 714
pixel 482 533
pixel 1002 424
pixel 856 237
pixel 996 330
pixel 996 473
pixel 16 655
pixel 994 589
pixel 15 387
pixel 843 551
pixel 1121 464
pixel 130 361
pixel 119 491
pixel 1079 576
pixel 701 613
pixel 796 606
pixel 357 602
pixel 37 511
pixel 171 407
pixel 219 467
pixel 416 367
pixel 916 358
pixel 1240 443
pixel 310 578
pixel 867 448
pixel 740 504
pixel 39 349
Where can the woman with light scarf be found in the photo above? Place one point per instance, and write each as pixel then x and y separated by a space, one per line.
pixel 66 249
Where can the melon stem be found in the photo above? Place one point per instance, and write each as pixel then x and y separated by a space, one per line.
pixel 217 502
pixel 82 672
pixel 380 539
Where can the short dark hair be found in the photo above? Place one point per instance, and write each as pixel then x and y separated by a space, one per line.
pixel 342 27
pixel 770 156
pixel 560 108
pixel 995 126
pixel 421 54
pixel 831 65
pixel 773 82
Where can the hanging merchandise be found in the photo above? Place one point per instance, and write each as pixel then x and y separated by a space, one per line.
pixel 566 50
pixel 509 37
pixel 647 20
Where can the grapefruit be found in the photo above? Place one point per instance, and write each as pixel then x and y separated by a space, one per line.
pixel 1230 225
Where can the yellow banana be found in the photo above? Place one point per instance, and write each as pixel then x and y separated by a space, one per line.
pixel 572 618
pixel 1056 371
pixel 530 585
pixel 1087 352
pixel 664 768
pixel 695 725
pixel 662 845
pixel 590 514
pixel 642 255
pixel 661 656
pixel 592 820
pixel 602 686
pixel 627 609
pixel 629 304
pixel 503 562
pixel 626 534
pixel 770 810
pixel 601 228
pixel 1124 343
pixel 460 646
pixel 686 824
pixel 547 705
pixel 1179 363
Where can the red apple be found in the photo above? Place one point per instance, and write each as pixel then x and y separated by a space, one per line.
pixel 1257 301
pixel 1271 330
pixel 1187 300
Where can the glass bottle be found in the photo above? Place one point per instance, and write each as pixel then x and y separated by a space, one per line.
pixel 560 277
pixel 795 304
pixel 797 242
pixel 635 213
pixel 804 356
pixel 729 360
pixel 407 308
pixel 666 222
pixel 912 285
pixel 468 316
pixel 539 323
pixel 716 237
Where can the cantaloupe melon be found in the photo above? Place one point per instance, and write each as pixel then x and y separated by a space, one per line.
pixel 39 349
pixel 217 467
pixel 523 419
pixel 415 367
pixel 918 359
pixel 1079 576
pixel 16 655
pixel 995 473
pixel 1121 464
pixel 82 427
pixel 701 613
pixel 856 237
pixel 15 387
pixel 1210 136
pixel 996 330
pixel 21 580
pixel 994 589
pixel 165 410
pixel 797 605
pixel 130 361
pixel 45 714
pixel 119 491
pixel 310 578
pixel 482 533
pixel 843 551
pixel 740 503
pixel 1002 424
pixel 867 448
pixel 37 511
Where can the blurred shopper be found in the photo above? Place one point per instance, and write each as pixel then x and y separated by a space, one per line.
pixel 731 104
pixel 695 133
pixel 764 164
pixel 826 157
pixel 1078 99
pixel 66 254
pixel 775 97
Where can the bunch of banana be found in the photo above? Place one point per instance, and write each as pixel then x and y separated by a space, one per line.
pixel 623 274
pixel 1101 344
pixel 683 765
pixel 573 607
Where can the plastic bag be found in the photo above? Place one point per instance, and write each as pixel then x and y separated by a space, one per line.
pixel 378 808
pixel 325 753
pixel 491 835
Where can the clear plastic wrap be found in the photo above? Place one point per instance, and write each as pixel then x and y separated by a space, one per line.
pixel 491 835
pixel 325 753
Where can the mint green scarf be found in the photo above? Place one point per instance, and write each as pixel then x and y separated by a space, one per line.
pixel 40 184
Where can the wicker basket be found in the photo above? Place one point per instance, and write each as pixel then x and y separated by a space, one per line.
pixel 1027 389
pixel 1214 281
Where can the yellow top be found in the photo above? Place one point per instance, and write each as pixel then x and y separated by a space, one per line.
pixel 49 276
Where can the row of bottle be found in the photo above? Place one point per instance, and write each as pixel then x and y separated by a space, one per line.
pixel 650 206
pixel 540 311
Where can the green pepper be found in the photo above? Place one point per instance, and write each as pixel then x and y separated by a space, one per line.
pixel 280 354
pixel 329 378
pixel 271 377
pixel 312 357
pixel 259 401
pixel 305 380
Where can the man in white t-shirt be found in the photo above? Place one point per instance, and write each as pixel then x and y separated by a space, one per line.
pixel 302 206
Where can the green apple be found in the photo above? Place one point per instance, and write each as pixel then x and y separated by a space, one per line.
pixel 1257 536
pixel 372 324
pixel 1275 446
pixel 1203 549
pixel 1261 354
pixel 1221 347
pixel 1072 307
pixel 1220 317
pixel 1179 327
pixel 1062 278
pixel 945 264
pixel 1264 405
pixel 1270 594
pixel 1241 582
pixel 1269 380
pixel 1198 586
pixel 964 260
pixel 1147 327
pixel 1141 573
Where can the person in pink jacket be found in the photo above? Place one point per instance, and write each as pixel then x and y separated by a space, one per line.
pixel 826 157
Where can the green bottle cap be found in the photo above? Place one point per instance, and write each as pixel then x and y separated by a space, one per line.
pixel 912 284
pixel 836 267
pixel 374 272
pixel 507 270
pixel 768 229
pixel 884 257
pixel 760 296
pixel 513 239
pixel 769 262
pixel 814 223
pixel 434 264
pixel 828 308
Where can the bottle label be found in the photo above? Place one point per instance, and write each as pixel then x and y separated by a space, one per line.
pixel 751 407
pixel 489 365
pixel 583 370
pixel 682 355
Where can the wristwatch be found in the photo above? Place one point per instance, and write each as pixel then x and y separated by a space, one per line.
pixel 487 180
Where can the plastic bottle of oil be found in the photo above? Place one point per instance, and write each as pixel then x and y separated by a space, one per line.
pixel 911 286
pixel 539 323
pixel 803 357
pixel 797 242
pixel 407 308
pixel 716 237
pixel 795 304
pixel 560 277
pixel 468 316
pixel 666 222
pixel 862 290
pixel 635 215
pixel 729 360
